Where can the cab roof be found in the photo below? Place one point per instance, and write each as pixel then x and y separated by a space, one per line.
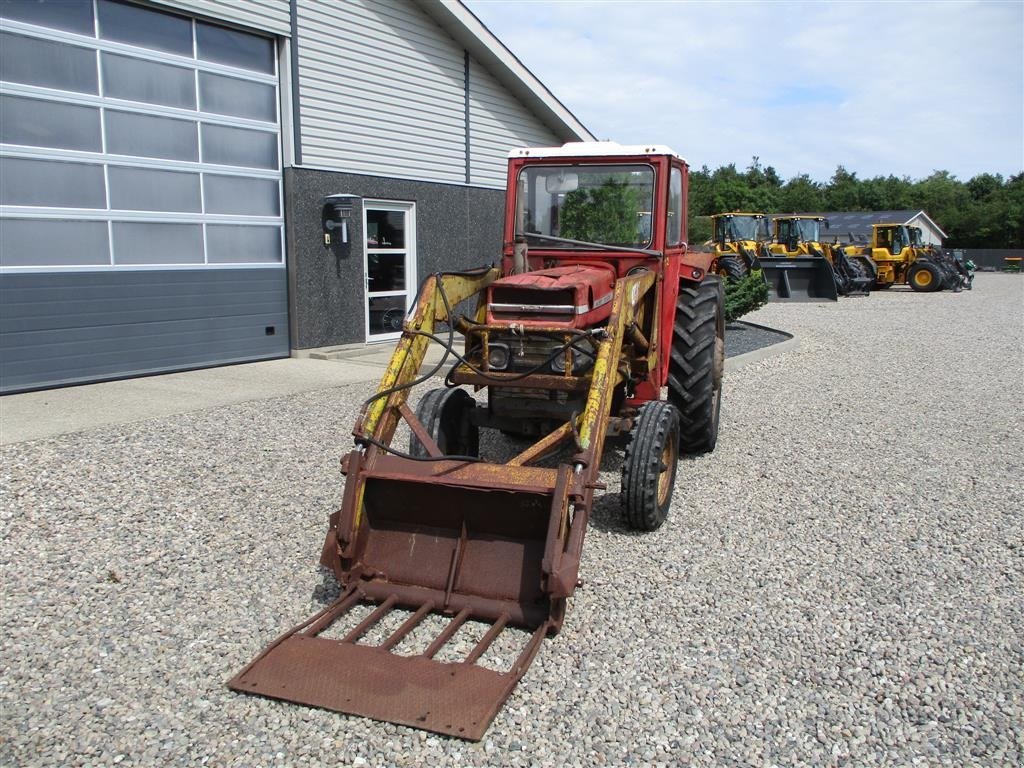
pixel 595 149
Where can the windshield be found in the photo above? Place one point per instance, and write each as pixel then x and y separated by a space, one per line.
pixel 609 204
pixel 915 237
pixel 900 239
pixel 800 230
pixel 739 228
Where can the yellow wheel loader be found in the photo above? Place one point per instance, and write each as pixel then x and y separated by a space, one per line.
pixel 799 266
pixel 901 258
pixel 599 322
pixel 736 240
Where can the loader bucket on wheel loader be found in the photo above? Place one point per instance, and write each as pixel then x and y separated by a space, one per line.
pixel 799 278
pixel 447 540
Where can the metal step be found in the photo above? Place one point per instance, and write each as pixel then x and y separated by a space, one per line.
pixel 346 675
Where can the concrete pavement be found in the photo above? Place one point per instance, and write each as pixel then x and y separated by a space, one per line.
pixel 35 415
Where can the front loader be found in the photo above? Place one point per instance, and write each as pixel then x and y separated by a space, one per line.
pixel 799 266
pixel 598 307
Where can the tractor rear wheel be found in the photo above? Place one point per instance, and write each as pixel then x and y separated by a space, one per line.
pixel 731 269
pixel 924 277
pixel 444 413
pixel 696 363
pixel 649 469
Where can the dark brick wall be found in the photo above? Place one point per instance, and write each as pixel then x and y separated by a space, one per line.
pixel 456 227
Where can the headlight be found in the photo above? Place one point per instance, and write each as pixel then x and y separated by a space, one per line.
pixel 558 361
pixel 498 356
pixel 581 360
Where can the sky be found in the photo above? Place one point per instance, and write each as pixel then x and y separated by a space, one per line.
pixel 902 88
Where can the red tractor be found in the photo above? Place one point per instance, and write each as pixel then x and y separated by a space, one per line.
pixel 598 308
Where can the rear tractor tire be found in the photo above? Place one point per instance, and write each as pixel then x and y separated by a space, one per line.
pixel 731 269
pixel 649 469
pixel 925 277
pixel 697 362
pixel 445 414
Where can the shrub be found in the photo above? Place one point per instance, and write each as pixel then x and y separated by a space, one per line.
pixel 745 296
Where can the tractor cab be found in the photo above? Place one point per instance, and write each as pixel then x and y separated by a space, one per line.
pixel 594 201
pixel 579 219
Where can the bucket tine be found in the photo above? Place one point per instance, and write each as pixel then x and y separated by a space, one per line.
pixel 486 640
pixel 370 620
pixel 407 627
pixel 330 615
pixel 446 633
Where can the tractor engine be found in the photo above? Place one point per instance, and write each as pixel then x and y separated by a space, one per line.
pixel 537 323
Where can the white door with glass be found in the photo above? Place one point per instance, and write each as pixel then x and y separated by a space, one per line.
pixel 389 265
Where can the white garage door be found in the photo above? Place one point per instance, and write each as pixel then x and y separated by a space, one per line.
pixel 140 180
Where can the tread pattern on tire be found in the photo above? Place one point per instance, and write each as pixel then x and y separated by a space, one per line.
pixel 658 421
pixel 735 269
pixel 859 271
pixel 694 384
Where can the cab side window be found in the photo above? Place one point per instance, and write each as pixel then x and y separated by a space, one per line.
pixel 674 231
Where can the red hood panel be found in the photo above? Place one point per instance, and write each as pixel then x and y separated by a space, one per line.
pixel 599 277
pixel 577 296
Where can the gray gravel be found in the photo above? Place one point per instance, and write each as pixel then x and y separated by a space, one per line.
pixel 840 583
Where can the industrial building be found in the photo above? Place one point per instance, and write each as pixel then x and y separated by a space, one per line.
pixel 164 168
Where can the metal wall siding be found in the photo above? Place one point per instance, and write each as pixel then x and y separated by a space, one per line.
pixel 381 90
pixel 263 15
pixel 498 122
pixel 61 328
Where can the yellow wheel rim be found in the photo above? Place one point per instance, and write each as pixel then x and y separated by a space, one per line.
pixel 923 278
pixel 668 460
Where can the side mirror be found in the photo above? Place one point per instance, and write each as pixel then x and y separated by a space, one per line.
pixel 336 220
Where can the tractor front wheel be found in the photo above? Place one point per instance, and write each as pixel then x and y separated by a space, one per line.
pixel 444 413
pixel 697 362
pixel 731 269
pixel 649 469
pixel 924 277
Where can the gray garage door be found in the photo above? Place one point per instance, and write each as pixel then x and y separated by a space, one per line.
pixel 140 180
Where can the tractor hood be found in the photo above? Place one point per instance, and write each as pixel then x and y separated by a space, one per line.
pixel 576 296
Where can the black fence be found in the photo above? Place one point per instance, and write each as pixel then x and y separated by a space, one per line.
pixel 989 259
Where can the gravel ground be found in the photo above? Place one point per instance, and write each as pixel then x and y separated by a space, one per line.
pixel 840 583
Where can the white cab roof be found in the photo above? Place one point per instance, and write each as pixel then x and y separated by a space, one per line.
pixel 595 149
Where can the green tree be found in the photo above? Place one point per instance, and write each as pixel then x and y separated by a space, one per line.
pixel 842 192
pixel 699 230
pixel 986 211
pixel 605 214
pixel 800 193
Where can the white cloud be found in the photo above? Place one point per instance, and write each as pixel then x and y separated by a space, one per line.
pixel 879 87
